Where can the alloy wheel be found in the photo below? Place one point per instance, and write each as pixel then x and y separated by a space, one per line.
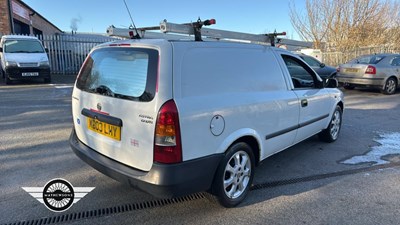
pixel 237 174
pixel 335 125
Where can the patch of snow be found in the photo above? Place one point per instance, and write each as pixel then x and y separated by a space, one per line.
pixel 61 85
pixel 389 145
pixel 66 86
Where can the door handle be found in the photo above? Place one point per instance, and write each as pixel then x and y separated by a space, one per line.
pixel 304 103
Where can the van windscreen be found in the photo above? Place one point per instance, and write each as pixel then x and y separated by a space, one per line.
pixel 23 46
pixel 126 73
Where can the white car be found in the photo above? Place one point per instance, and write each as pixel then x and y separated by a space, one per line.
pixel 177 117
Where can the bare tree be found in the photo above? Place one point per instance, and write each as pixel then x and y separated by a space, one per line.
pixel 344 24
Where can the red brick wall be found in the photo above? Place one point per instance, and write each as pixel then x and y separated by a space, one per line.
pixel 4 18
pixel 41 24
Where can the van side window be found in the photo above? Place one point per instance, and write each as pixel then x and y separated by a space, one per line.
pixel 302 76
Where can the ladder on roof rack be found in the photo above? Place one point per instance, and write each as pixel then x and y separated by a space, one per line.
pixel 194 28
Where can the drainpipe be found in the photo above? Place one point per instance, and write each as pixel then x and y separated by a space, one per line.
pixel 10 16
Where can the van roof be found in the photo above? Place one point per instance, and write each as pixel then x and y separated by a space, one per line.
pixel 157 42
pixel 18 37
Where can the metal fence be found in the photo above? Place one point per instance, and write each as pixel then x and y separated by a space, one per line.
pixel 337 58
pixel 67 52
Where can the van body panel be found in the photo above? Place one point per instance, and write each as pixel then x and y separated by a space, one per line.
pixel 313 117
pixel 242 84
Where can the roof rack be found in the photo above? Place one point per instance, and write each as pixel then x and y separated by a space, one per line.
pixel 196 28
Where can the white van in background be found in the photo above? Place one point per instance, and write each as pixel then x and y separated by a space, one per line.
pixel 23 57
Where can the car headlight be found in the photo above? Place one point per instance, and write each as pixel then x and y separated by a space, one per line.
pixel 11 63
pixel 44 63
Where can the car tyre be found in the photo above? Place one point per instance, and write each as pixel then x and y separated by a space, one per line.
pixel 234 175
pixel 390 86
pixel 331 133
pixel 348 86
pixel 6 79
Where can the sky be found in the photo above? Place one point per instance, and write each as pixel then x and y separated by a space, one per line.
pixel 257 16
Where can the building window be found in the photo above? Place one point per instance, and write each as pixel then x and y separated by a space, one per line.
pixel 21 28
pixel 37 32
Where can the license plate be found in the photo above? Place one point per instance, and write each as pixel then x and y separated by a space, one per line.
pixel 30 74
pixel 351 70
pixel 103 128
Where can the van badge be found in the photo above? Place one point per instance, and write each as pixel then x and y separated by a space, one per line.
pixel 99 106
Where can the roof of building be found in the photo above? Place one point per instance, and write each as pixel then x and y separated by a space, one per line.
pixel 27 6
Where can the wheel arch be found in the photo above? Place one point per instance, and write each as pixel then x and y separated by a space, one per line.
pixel 341 105
pixel 392 76
pixel 396 78
pixel 254 145
pixel 248 136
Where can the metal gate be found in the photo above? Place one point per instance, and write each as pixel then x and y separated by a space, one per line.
pixel 67 52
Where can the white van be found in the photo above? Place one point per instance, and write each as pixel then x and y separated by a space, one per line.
pixel 23 57
pixel 176 117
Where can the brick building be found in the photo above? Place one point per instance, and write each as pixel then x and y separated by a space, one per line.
pixel 16 17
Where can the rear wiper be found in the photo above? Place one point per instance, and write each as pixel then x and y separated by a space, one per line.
pixel 103 90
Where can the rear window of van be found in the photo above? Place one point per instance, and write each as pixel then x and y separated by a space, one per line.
pixel 125 73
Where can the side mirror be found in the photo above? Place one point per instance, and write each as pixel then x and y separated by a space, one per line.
pixel 322 65
pixel 46 50
pixel 331 83
pixel 1 49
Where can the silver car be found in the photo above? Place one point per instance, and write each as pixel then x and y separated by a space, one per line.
pixel 378 70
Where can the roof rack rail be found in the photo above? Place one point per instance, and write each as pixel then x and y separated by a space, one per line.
pixel 173 31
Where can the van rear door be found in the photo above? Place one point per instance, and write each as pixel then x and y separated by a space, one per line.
pixel 113 104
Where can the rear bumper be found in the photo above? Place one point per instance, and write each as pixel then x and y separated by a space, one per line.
pixel 16 73
pixel 163 180
pixel 362 81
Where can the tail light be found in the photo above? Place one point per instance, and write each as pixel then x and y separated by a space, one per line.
pixel 370 70
pixel 210 22
pixel 131 34
pixel 167 141
pixel 337 69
